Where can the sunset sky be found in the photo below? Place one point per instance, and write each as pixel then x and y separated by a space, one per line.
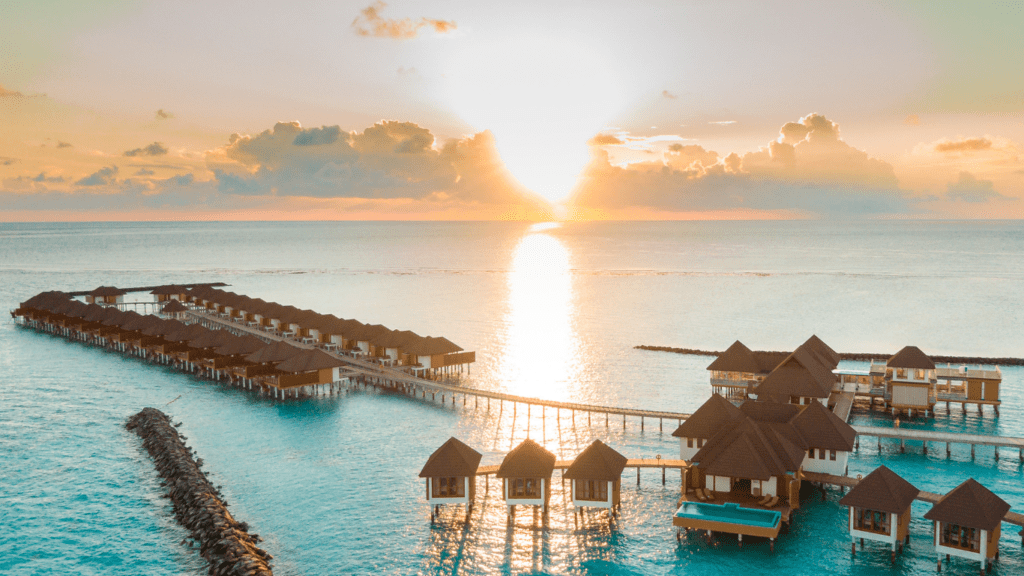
pixel 527 110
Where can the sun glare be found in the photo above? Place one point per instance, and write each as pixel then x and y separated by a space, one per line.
pixel 543 99
pixel 541 346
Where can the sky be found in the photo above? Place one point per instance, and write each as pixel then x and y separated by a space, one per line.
pixel 407 110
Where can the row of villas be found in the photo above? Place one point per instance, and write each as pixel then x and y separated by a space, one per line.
pixel 419 354
pixel 907 381
pixel 279 368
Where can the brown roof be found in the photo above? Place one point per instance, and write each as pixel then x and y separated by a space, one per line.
pixel 429 346
pixel 241 345
pixel 970 504
pixel 162 327
pixel 528 460
pixel 309 360
pixel 212 339
pixel 397 339
pixel 173 306
pixel 744 451
pixel 119 318
pixel 826 354
pixel 802 373
pixel 709 419
pixel 453 458
pixel 107 291
pixel 736 358
pixel 882 490
pixel 821 428
pixel 140 323
pixel 769 411
pixel 169 289
pixel 187 334
pixel 911 357
pixel 276 352
pixel 598 462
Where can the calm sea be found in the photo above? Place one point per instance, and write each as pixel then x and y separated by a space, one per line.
pixel 553 311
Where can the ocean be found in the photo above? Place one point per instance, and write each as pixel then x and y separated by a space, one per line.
pixel 553 311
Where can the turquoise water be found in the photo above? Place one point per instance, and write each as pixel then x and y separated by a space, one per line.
pixel 331 483
pixel 730 513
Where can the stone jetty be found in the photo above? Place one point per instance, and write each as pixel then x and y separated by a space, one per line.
pixel 223 541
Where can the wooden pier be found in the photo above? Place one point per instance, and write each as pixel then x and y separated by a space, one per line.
pixel 926 436
pixel 385 377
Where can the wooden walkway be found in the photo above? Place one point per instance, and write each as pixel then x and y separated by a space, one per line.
pixel 926 436
pixel 844 405
pixel 377 375
pixel 848 482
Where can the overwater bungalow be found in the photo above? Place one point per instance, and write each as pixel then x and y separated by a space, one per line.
pixel 880 510
pixel 105 295
pixel 450 475
pixel 910 380
pixel 737 370
pixel 703 424
pixel 306 368
pixel 232 352
pixel 596 476
pixel 526 476
pixel 170 292
pixel 262 362
pixel 967 523
pixel 174 309
pixel 437 353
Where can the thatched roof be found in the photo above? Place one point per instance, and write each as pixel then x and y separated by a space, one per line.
pixel 882 490
pixel 430 346
pixel 453 458
pixel 162 327
pixel 140 323
pixel 174 307
pixel 211 339
pixel 276 352
pixel 821 428
pixel 241 345
pixel 309 360
pixel 748 451
pixel 598 462
pixel 187 334
pixel 911 357
pixel 709 419
pixel 527 460
pixel 168 289
pixel 107 291
pixel 970 504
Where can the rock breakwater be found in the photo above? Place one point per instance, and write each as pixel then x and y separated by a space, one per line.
pixel 223 541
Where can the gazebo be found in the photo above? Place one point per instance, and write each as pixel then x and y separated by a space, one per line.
pixel 450 475
pixel 526 476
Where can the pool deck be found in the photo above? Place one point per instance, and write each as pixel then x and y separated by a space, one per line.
pixel 744 501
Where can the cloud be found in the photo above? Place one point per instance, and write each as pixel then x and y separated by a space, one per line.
pixel 968 188
pixel 605 140
pixel 102 177
pixel 912 120
pixel 389 160
pixel 669 95
pixel 162 114
pixel 371 23
pixel 963 145
pixel 5 161
pixel 723 122
pixel 42 177
pixel 154 149
pixel 807 168
pixel 61 144
pixel 144 172
pixel 5 93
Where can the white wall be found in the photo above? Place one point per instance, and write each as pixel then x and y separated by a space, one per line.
pixel 685 452
pixel 535 501
pixel 424 361
pixel 592 503
pixel 827 466
pixel 454 500
pixel 888 539
pixel 909 395
pixel 979 555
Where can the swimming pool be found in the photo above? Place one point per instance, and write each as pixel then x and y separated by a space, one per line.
pixel 698 514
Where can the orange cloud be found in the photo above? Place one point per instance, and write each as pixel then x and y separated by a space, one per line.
pixel 371 23
pixel 963 145
pixel 807 169
pixel 605 140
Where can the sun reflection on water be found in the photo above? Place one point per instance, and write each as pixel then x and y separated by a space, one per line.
pixel 541 348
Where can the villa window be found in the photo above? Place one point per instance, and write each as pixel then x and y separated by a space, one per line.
pixel 901 373
pixel 810 453
pixel 871 521
pixel 525 488
pixel 449 487
pixel 593 490
pixel 689 442
pixel 832 455
pixel 919 375
pixel 700 442
pixel 962 537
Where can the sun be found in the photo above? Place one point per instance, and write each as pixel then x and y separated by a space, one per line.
pixel 543 98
